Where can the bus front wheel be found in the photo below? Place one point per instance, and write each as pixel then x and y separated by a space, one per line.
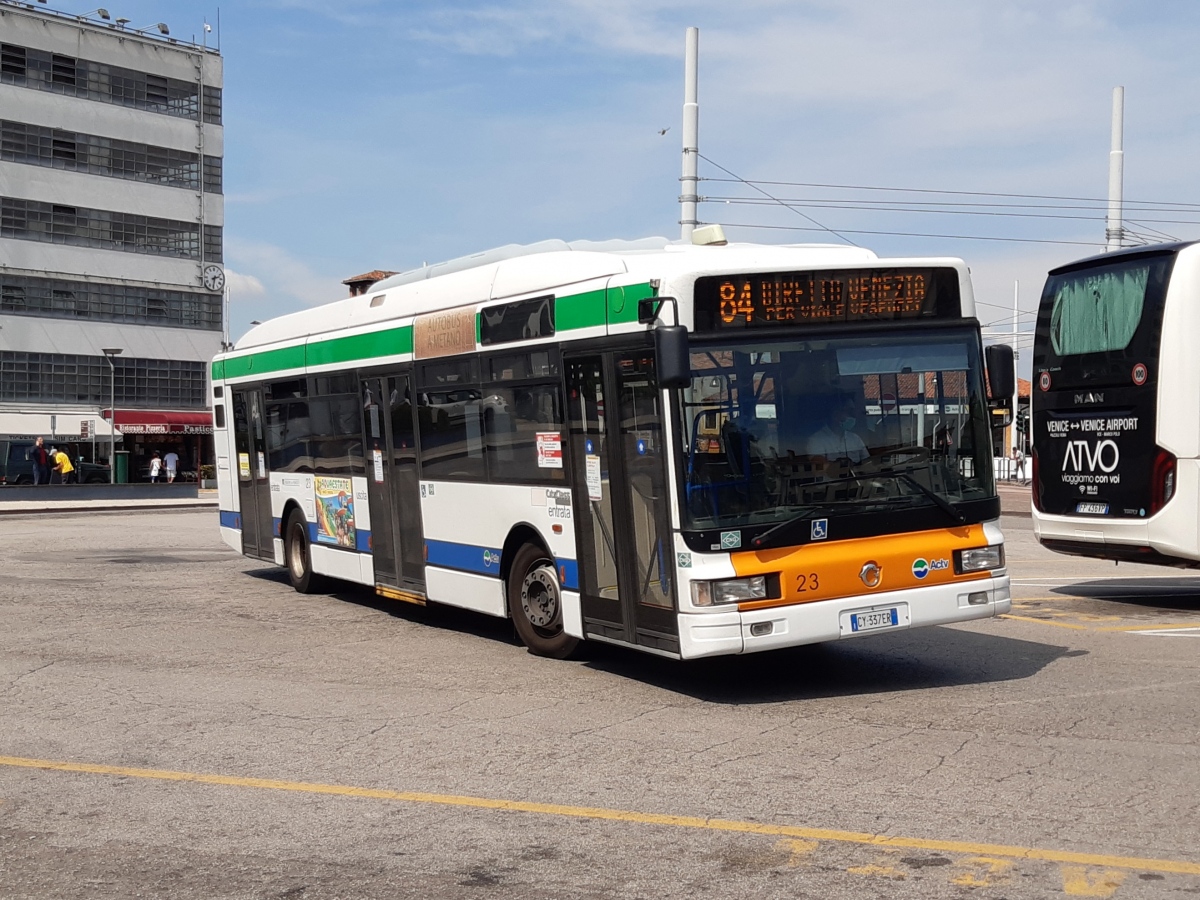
pixel 297 555
pixel 535 604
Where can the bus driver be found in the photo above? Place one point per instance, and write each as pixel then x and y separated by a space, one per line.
pixel 836 439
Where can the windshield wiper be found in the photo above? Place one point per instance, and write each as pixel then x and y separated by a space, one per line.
pixel 941 502
pixel 783 526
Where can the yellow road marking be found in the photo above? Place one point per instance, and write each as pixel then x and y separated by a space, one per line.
pixel 1146 626
pixel 1098 860
pixel 1079 882
pixel 1045 622
pixel 982 871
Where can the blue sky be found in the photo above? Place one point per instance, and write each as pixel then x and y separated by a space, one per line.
pixel 363 134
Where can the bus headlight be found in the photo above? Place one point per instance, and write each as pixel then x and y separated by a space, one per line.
pixel 979 559
pixel 731 590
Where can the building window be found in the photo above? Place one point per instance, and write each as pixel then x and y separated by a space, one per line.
pixel 110 302
pixel 101 229
pixel 62 378
pixel 90 80
pixel 95 155
pixel 12 63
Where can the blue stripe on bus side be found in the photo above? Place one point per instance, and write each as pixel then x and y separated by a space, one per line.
pixel 231 519
pixel 277 527
pixel 362 541
pixel 464 557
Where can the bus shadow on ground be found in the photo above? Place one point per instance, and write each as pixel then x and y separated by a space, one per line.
pixel 904 661
pixel 920 660
pixel 1148 594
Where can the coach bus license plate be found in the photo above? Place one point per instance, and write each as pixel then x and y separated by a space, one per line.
pixel 873 619
pixel 1094 509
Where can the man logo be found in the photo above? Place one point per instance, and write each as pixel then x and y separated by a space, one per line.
pixel 920 568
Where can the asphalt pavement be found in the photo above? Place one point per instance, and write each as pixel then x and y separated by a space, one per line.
pixel 178 722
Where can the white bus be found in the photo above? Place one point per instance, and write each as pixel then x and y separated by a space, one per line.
pixel 1116 407
pixel 690 450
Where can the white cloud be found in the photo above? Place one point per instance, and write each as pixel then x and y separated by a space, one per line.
pixel 280 276
pixel 243 286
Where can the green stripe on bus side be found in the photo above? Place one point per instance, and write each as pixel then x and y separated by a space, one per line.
pixel 587 310
pixel 265 361
pixel 390 342
pixel 623 302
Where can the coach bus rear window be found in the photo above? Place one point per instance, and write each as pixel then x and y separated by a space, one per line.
pixel 1096 311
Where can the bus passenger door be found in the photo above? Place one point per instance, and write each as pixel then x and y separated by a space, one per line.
pixel 254 484
pixel 406 487
pixel 626 564
pixel 379 498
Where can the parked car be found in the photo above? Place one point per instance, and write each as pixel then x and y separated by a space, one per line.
pixel 17 468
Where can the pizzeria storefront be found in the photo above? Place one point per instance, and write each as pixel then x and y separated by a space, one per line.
pixel 188 433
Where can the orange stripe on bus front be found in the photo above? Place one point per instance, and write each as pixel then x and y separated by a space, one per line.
pixel 829 570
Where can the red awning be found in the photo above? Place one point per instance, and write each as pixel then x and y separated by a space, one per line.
pixel 153 421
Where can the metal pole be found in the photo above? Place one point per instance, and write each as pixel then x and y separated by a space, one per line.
pixel 1114 232
pixel 112 421
pixel 691 133
pixel 1016 398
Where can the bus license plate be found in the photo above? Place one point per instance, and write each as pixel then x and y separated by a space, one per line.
pixel 876 618
pixel 1092 509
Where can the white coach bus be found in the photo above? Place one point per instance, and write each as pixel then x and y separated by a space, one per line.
pixel 690 450
pixel 1116 433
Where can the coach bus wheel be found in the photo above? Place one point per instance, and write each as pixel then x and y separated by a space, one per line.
pixel 535 603
pixel 297 557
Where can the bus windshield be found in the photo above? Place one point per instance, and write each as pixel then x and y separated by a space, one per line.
pixel 836 426
pixel 1099 319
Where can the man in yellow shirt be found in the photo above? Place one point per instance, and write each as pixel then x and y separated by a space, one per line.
pixel 63 468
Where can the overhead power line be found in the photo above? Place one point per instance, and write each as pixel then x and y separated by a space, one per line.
pixel 862 187
pixel 765 194
pixel 958 237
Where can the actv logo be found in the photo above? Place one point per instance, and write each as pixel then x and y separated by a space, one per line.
pixel 1105 456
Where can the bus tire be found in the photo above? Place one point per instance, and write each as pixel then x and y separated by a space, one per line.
pixel 535 604
pixel 297 555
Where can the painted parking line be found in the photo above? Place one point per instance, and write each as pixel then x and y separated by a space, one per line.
pixel 1001 851
pixel 1193 631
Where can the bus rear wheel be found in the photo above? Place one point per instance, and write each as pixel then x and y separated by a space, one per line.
pixel 535 604
pixel 298 556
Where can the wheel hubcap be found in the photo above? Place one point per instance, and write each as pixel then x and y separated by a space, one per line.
pixel 539 597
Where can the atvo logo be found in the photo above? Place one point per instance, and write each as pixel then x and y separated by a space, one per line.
pixel 1105 456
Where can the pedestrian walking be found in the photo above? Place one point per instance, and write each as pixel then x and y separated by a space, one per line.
pixel 1019 459
pixel 63 470
pixel 40 457
pixel 156 467
pixel 171 462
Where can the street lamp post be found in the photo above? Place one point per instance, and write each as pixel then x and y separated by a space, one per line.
pixel 110 353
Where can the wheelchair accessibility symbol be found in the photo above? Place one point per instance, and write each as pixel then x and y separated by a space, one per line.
pixel 820 529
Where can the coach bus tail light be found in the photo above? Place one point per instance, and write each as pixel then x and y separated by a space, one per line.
pixel 731 590
pixel 1162 481
pixel 1037 482
pixel 979 559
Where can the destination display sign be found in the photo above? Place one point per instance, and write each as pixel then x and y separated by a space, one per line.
pixel 775 299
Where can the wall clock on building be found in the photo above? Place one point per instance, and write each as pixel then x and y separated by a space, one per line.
pixel 214 278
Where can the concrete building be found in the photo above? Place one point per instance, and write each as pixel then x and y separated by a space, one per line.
pixel 111 224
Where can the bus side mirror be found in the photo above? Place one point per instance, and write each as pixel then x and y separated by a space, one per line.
pixel 1001 371
pixel 671 349
pixel 648 310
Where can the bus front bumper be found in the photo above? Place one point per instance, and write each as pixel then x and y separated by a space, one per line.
pixel 721 633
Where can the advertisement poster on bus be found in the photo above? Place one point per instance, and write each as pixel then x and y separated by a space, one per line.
pixel 335 511
pixel 1087 458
